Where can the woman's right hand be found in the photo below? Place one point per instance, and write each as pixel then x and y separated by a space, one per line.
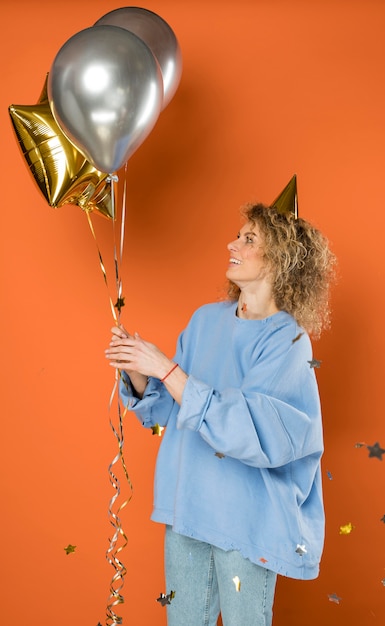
pixel 116 353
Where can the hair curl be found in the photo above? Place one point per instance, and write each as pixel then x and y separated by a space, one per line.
pixel 302 266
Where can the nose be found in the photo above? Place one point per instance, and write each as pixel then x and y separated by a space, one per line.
pixel 232 246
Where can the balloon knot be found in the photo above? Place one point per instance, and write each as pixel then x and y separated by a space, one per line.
pixel 112 178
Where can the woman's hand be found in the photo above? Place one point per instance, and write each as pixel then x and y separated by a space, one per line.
pixel 132 354
pixel 141 359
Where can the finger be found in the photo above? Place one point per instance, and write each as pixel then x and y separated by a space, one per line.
pixel 118 332
pixel 117 365
pixel 119 342
pixel 125 331
pixel 118 352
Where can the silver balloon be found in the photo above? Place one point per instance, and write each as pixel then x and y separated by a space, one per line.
pixel 158 36
pixel 105 91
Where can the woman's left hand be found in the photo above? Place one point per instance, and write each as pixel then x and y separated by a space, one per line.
pixel 132 353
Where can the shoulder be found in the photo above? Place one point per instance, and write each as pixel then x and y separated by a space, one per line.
pixel 213 310
pixel 285 324
pixel 285 336
pixel 209 316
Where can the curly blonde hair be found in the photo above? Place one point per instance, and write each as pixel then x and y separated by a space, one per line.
pixel 302 266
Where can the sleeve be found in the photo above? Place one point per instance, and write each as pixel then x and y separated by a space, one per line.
pixel 263 424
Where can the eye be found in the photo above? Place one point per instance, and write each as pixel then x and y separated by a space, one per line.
pixel 249 239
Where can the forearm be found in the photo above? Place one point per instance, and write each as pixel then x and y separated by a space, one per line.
pixel 257 429
pixel 140 359
pixel 138 383
pixel 175 381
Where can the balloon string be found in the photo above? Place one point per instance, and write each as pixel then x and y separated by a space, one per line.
pixel 114 550
pixel 101 263
pixel 118 250
pixel 119 539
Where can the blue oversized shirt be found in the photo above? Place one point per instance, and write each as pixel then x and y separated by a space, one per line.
pixel 239 461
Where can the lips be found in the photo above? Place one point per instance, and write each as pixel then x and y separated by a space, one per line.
pixel 234 261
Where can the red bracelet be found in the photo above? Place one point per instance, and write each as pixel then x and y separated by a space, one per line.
pixel 170 372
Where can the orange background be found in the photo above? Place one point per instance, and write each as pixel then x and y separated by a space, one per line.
pixel 269 88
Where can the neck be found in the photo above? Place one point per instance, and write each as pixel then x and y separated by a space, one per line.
pixel 254 306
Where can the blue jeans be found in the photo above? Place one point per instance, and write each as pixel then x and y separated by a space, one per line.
pixel 202 577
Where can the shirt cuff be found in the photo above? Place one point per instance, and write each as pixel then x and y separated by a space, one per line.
pixel 195 401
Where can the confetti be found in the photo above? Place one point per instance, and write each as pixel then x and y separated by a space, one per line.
pixel 329 475
pixel 315 363
pixel 383 581
pixel 237 583
pixel 382 519
pixel 119 304
pixel 70 548
pixel 166 599
pixel 297 338
pixel 157 430
pixel 263 560
pixel 301 549
pixel 220 455
pixel 346 529
pixel 359 445
pixel 334 598
pixel 376 451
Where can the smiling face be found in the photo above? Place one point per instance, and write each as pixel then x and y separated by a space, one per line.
pixel 247 264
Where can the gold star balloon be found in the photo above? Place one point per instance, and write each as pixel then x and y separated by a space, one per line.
pixel 61 172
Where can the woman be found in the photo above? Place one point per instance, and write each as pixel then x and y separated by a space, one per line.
pixel 238 481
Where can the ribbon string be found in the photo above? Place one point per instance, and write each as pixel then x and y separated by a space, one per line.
pixel 102 266
pixel 119 539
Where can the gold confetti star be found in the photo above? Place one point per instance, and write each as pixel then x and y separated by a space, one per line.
pixel 220 455
pixel 297 338
pixel 157 430
pixel 314 363
pixel 166 599
pixel 119 304
pixel 334 598
pixel 237 583
pixel 70 548
pixel 301 549
pixel 376 451
pixel 346 529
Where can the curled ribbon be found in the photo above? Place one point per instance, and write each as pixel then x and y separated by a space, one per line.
pixel 119 539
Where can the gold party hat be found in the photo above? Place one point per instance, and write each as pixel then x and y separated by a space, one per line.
pixel 287 201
